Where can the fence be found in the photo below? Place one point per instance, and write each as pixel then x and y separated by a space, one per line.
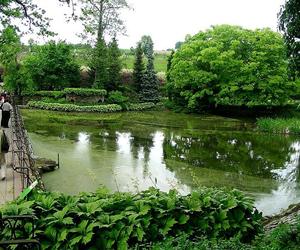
pixel 22 153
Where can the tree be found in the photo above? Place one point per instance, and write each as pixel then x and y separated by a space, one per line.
pixel 149 87
pixel 114 66
pixel 99 18
pixel 51 67
pixel 289 24
pixel 138 69
pixel 100 64
pixel 178 45
pixel 30 15
pixel 230 65
pixel 10 47
pixel 169 64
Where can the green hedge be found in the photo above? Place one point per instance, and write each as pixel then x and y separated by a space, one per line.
pixel 140 106
pixel 102 220
pixel 74 108
pixel 54 94
pixel 85 92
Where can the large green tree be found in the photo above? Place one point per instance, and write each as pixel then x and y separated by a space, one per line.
pixel 51 67
pixel 230 65
pixel 100 18
pixel 10 48
pixel 289 24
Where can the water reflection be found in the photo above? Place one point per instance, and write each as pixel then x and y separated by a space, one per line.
pixel 288 189
pixel 135 151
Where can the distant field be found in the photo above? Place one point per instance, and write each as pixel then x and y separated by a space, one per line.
pixel 160 59
pixel 160 62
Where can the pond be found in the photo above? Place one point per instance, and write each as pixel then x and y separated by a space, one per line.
pixel 133 151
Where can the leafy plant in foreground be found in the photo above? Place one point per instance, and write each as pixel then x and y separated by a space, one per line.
pixel 102 220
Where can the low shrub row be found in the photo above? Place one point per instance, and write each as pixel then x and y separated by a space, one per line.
pixel 140 106
pixel 85 92
pixel 74 108
pixel 45 105
pixel 70 91
pixel 102 220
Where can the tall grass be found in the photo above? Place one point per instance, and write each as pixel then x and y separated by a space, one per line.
pixel 279 125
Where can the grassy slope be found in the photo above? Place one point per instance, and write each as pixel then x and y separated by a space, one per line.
pixel 160 59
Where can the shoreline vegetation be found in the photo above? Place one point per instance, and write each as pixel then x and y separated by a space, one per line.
pixel 279 125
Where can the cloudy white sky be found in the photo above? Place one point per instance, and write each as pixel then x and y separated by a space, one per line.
pixel 169 21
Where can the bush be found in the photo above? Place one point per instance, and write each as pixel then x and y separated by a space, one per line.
pixel 51 67
pixel 85 92
pixel 117 97
pixel 229 65
pixel 50 94
pixel 140 106
pixel 116 221
pixel 74 108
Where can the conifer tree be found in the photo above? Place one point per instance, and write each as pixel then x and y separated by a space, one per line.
pixel 138 70
pixel 114 66
pixel 100 63
pixel 149 88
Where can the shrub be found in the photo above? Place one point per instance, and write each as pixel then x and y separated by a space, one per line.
pixel 140 106
pixel 51 67
pixel 74 108
pixel 85 92
pixel 117 97
pixel 50 94
pixel 115 221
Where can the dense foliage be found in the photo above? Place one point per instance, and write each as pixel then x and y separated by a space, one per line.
pixel 52 94
pixel 229 65
pixel 85 92
pixel 289 24
pixel 10 47
pixel 74 108
pixel 105 221
pixel 51 67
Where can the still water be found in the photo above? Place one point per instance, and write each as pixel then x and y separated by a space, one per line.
pixel 133 151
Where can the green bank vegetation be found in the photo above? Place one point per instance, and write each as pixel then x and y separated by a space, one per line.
pixel 102 220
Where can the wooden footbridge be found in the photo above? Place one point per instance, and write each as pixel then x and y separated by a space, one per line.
pixel 17 162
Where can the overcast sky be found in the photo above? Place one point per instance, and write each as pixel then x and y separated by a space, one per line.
pixel 169 21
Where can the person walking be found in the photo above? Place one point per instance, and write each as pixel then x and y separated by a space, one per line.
pixel 4 148
pixel 6 109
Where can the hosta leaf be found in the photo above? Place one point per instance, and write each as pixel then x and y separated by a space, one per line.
pixel 183 219
pixel 87 238
pixel 169 224
pixel 63 235
pixel 75 240
pixel 68 221
pixel 140 233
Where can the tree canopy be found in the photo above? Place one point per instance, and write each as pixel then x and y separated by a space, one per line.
pixel 230 65
pixel 51 67
pixel 289 24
